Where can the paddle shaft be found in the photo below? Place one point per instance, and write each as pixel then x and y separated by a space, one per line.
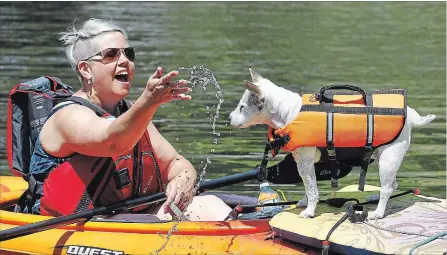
pixel 112 209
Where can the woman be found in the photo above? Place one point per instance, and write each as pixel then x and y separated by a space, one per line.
pixel 86 157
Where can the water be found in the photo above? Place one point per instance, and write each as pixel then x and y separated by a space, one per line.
pixel 301 46
pixel 202 76
pixel 171 231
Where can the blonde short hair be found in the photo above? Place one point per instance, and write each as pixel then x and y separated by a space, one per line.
pixel 78 41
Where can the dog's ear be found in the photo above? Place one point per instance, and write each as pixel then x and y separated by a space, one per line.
pixel 254 75
pixel 252 87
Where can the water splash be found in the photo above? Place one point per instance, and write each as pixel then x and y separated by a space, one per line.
pixel 168 237
pixel 201 76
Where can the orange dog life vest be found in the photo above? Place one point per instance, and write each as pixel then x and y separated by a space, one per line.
pixel 346 119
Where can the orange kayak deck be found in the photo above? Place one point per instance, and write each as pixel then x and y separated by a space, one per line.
pixel 93 237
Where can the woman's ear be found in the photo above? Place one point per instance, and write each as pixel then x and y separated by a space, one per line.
pixel 84 70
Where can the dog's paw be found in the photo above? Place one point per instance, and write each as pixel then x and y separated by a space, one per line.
pixel 302 203
pixel 307 214
pixel 375 215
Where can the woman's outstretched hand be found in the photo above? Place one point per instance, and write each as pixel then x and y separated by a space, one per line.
pixel 161 89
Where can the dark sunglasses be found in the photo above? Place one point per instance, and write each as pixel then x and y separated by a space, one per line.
pixel 110 55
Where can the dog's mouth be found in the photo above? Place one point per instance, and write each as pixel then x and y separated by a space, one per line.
pixel 235 125
pixel 239 125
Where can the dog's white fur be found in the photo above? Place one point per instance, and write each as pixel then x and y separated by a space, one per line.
pixel 266 103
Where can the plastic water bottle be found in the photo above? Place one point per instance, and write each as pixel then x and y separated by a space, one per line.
pixel 267 195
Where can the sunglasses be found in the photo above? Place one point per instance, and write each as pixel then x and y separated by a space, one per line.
pixel 110 55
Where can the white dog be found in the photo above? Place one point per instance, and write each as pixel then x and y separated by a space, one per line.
pixel 266 103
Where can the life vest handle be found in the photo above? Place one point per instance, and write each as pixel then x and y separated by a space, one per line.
pixel 320 95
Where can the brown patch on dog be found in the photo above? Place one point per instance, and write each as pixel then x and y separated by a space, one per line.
pixel 257 101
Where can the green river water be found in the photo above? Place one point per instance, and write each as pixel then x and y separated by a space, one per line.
pixel 301 46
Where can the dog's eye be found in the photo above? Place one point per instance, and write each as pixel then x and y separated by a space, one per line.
pixel 241 108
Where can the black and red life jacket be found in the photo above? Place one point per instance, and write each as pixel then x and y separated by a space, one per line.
pixel 82 182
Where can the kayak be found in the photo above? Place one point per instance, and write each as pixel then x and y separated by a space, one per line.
pixel 413 224
pixel 129 234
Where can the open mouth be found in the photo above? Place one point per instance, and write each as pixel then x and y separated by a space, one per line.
pixel 123 77
pixel 237 125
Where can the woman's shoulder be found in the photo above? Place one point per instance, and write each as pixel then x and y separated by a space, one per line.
pixel 70 108
pixel 75 103
pixel 68 113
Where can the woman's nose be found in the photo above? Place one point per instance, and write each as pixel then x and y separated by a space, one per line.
pixel 123 58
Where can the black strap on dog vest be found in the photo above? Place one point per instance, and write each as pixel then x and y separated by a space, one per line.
pixel 327 103
pixel 369 142
pixel 276 144
pixel 332 156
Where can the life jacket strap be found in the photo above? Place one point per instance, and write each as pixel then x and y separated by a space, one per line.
pixel 35 190
pixel 273 145
pixel 278 142
pixel 364 166
pixel 369 142
pixel 331 148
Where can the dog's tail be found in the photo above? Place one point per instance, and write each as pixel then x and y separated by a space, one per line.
pixel 417 120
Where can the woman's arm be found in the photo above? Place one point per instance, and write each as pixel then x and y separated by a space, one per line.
pixel 78 129
pixel 177 171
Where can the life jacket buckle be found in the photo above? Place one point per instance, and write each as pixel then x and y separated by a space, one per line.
pixel 367 155
pixel 122 178
pixel 331 153
pixel 332 156
pixel 315 97
pixel 279 141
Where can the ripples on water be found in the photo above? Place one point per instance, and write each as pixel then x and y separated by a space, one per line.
pixel 301 46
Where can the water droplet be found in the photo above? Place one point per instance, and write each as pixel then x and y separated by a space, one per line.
pixel 177 139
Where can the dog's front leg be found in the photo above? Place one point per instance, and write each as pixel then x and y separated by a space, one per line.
pixel 304 158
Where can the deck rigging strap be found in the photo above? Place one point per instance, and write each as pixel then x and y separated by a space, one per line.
pixel 357 217
pixel 426 241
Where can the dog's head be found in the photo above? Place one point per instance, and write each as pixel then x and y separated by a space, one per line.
pixel 252 109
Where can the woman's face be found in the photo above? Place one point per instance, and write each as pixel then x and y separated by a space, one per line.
pixel 111 80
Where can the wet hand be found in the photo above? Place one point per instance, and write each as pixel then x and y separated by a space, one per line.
pixel 180 190
pixel 161 89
